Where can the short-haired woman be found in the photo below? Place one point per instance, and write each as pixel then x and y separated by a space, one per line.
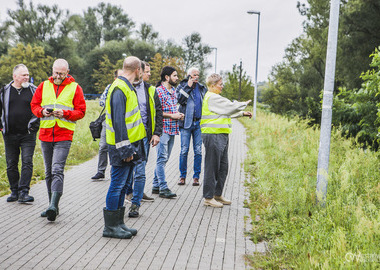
pixel 217 112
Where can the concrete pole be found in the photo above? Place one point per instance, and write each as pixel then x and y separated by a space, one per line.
pixel 325 136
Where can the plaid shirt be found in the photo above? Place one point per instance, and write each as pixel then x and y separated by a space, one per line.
pixel 169 105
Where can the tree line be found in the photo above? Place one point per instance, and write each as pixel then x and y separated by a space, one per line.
pixel 295 84
pixel 94 43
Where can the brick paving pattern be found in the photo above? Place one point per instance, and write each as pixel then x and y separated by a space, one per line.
pixel 177 233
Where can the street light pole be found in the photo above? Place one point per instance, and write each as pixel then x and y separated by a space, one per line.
pixel 328 95
pixel 216 52
pixel 257 60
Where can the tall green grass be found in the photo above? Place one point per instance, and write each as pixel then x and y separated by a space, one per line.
pixel 83 148
pixel 282 165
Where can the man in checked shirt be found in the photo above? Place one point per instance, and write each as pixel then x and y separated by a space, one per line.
pixel 167 94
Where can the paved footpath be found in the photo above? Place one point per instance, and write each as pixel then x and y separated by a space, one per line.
pixel 176 233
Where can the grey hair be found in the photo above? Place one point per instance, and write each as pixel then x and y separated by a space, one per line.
pixel 190 70
pixel 213 79
pixel 17 67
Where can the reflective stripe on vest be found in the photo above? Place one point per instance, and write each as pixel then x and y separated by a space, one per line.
pixel 135 127
pixel 211 122
pixel 64 101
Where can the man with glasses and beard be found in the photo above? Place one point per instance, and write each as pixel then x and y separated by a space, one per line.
pixel 166 92
pixel 59 102
pixel 19 127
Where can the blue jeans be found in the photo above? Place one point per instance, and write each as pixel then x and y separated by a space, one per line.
pixel 164 148
pixel 55 156
pixel 138 181
pixel 121 176
pixel 13 144
pixel 195 131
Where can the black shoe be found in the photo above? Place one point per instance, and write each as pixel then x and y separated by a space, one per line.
pixel 133 211
pixel 155 190
pixel 24 197
pixel 98 176
pixel 166 193
pixel 13 197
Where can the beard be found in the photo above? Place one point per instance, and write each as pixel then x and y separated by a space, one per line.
pixel 58 81
pixel 172 83
pixel 25 84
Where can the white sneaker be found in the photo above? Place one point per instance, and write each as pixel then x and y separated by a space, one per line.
pixel 213 203
pixel 222 200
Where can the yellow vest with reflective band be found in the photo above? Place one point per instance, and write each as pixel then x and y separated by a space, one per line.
pixel 64 101
pixel 135 127
pixel 211 122
pixel 152 91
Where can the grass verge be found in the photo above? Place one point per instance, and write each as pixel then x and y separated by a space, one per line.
pixel 282 165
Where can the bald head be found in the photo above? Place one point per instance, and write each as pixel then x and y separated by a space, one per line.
pixel 61 63
pixel 131 63
pixel 60 70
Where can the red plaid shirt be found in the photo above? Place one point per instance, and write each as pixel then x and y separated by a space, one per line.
pixel 169 105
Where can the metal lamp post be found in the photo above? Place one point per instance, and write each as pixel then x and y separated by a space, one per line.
pixel 257 59
pixel 216 52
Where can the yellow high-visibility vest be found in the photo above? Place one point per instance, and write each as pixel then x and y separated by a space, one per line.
pixel 135 127
pixel 211 122
pixel 64 101
pixel 152 91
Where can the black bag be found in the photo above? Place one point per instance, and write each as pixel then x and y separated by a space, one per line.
pixel 96 126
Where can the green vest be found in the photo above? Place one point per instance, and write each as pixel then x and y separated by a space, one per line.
pixel 64 101
pixel 211 122
pixel 152 91
pixel 135 127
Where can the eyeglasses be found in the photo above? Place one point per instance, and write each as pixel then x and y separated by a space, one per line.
pixel 59 74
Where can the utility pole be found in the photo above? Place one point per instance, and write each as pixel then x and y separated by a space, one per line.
pixel 325 137
pixel 240 80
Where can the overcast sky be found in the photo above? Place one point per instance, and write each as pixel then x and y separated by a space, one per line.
pixel 223 24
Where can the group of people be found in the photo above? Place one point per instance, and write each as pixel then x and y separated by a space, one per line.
pixel 52 108
pixel 137 116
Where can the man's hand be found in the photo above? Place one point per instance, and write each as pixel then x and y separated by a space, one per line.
pixel 58 113
pixel 155 140
pixel 46 113
pixel 178 116
pixel 128 159
pixel 191 81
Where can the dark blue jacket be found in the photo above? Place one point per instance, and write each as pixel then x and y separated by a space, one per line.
pixel 185 96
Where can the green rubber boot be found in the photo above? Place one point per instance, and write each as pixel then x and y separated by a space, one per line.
pixel 112 227
pixel 43 214
pixel 52 211
pixel 122 224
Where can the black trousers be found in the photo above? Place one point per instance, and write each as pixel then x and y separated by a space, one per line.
pixel 14 144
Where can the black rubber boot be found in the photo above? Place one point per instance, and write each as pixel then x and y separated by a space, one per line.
pixel 52 211
pixel 43 214
pixel 122 224
pixel 112 225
